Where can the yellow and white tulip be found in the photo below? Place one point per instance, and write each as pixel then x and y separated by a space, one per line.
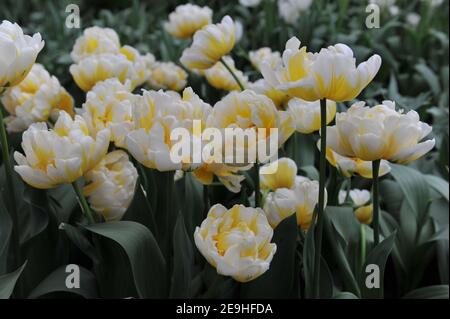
pixel 18 52
pixel 306 114
pixel 236 241
pixel 38 98
pixel 209 45
pixel 279 174
pixel 60 155
pixel 187 19
pixel 330 74
pixel 220 78
pixel 167 76
pixel 349 166
pixel 95 41
pixel 156 115
pixel 379 132
pixel 109 105
pixel 111 185
pixel 279 98
pixel 251 112
pixel 264 55
pixel 361 203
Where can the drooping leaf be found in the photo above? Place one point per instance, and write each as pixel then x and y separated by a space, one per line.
pixel 146 262
pixel 8 282
pixel 55 282
pixel 183 261
pixel 430 292
pixel 378 256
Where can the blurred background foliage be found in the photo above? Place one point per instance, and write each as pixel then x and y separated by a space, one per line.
pixel 414 73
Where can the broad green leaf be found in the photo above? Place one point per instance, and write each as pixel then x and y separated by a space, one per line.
pixel 5 230
pixel 183 261
pixel 430 77
pixel 344 295
pixel 55 282
pixel 430 292
pixel 8 282
pixel 277 282
pixel 439 184
pixel 147 263
pixel 308 261
pixel 79 239
pixel 415 188
pixel 378 256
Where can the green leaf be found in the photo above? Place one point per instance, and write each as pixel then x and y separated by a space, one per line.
pixel 378 256
pixel 79 239
pixel 183 261
pixel 414 187
pixel 308 261
pixel 430 292
pixel 55 282
pixel 8 282
pixel 430 77
pixel 438 184
pixel 146 261
pixel 5 230
pixel 277 282
pixel 344 295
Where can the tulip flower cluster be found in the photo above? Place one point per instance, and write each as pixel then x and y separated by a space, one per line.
pixel 119 133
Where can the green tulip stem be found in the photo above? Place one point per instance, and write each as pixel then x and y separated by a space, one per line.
pixel 376 205
pixel 83 202
pixel 363 244
pixel 241 86
pixel 320 208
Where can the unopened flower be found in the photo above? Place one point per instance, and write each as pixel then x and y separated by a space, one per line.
pixel 18 53
pixel 361 203
pixel 306 114
pixel 60 155
pixel 210 44
pixel 301 200
pixel 187 19
pixel 379 132
pixel 330 74
pixel 168 76
pixel 109 105
pixel 220 78
pixel 290 9
pixel 253 114
pixel 38 98
pixel 236 241
pixel 278 97
pixel 156 115
pixel 278 174
pixel 94 41
pixel 264 55
pixel 111 185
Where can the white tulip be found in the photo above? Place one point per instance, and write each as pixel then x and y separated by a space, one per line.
pixel 236 241
pixel 379 132
pixel 60 155
pixel 18 52
pixel 111 185
pixel 187 19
